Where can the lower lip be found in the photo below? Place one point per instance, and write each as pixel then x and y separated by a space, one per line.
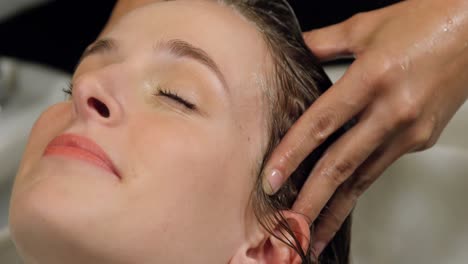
pixel 77 153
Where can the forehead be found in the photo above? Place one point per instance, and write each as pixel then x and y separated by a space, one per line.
pixel 232 41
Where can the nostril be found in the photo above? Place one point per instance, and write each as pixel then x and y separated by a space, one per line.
pixel 100 107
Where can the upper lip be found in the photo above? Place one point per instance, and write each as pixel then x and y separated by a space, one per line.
pixel 77 141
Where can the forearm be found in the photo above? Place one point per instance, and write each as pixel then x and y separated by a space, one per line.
pixel 123 7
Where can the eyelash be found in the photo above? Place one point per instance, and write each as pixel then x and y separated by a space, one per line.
pixel 69 89
pixel 174 96
pixel 161 92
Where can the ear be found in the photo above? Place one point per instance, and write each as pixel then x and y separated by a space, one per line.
pixel 265 248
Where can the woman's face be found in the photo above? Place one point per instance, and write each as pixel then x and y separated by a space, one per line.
pixel 186 169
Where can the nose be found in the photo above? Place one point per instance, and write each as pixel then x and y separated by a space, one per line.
pixel 94 100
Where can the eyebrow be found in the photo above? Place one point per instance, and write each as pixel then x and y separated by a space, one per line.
pixel 177 47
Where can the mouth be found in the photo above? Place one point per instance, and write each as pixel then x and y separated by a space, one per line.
pixel 81 148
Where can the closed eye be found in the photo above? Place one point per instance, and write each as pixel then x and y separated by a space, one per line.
pixel 68 91
pixel 175 97
pixel 161 92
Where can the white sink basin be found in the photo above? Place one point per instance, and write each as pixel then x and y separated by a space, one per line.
pixel 37 88
pixel 414 214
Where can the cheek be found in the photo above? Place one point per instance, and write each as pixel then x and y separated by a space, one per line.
pixel 185 175
pixel 51 123
pixel 179 160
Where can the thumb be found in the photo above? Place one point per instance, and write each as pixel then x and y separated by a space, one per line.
pixel 331 42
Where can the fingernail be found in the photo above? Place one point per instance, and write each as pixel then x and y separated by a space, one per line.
pixel 318 248
pixel 273 182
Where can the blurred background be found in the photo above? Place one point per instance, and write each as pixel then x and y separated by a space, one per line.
pixel 415 213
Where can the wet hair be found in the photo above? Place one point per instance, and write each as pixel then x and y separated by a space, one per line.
pixel 296 82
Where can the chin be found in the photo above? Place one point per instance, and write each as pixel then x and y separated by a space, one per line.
pixel 47 230
pixel 56 214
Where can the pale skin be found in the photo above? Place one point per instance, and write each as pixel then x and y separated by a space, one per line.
pixel 180 195
pixel 408 80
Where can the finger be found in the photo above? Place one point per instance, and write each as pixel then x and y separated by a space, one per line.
pixel 344 200
pixel 341 160
pixel 330 42
pixel 327 114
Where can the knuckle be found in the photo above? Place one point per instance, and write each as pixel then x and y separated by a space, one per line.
pixel 321 127
pixel 353 31
pixel 355 21
pixel 429 144
pixel 334 223
pixel 359 185
pixel 357 17
pixel 419 142
pixel 337 172
pixel 382 70
pixel 408 111
pixel 375 71
pixel 330 222
pixel 359 30
pixel 422 137
pixel 344 167
pixel 287 161
pixel 385 70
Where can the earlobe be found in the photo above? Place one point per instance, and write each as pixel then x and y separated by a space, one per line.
pixel 265 248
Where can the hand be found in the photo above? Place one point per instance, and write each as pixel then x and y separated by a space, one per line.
pixel 409 78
